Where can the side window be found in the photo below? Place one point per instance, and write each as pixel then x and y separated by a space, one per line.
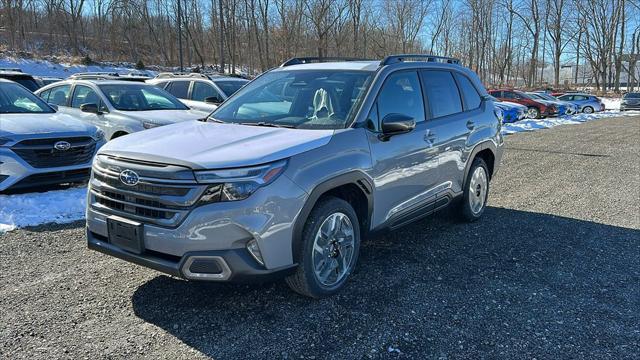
pixel 45 95
pixel 441 92
pixel 496 94
pixel 59 95
pixel 202 90
pixel 470 97
pixel 401 94
pixel 579 97
pixel 179 89
pixel 84 95
pixel 161 84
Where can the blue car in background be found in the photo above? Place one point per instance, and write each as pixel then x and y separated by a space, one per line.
pixel 511 112
pixel 586 103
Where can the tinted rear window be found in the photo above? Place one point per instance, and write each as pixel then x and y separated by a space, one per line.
pixel 442 93
pixel 24 80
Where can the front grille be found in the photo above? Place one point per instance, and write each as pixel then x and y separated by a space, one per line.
pixel 41 153
pixel 51 178
pixel 161 201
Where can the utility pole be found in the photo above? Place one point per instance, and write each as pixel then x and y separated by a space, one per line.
pixel 180 34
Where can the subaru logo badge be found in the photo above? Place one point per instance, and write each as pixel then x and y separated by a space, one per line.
pixel 129 177
pixel 62 146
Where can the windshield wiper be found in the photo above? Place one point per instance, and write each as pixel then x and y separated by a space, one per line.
pixel 265 124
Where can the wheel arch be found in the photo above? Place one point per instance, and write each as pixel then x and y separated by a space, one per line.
pixel 487 151
pixel 353 187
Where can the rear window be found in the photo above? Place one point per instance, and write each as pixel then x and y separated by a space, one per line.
pixel 442 93
pixel 24 80
pixel 632 96
pixel 229 87
pixel 470 96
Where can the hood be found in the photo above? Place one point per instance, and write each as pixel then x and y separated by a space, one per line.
pixel 207 145
pixel 166 117
pixel 43 124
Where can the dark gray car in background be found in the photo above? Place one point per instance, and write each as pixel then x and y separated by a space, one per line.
pixel 291 172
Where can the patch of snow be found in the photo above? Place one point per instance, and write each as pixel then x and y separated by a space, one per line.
pixel 392 349
pixel 531 124
pixel 611 104
pixel 58 206
pixel 47 68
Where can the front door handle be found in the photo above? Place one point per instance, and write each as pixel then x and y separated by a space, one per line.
pixel 471 124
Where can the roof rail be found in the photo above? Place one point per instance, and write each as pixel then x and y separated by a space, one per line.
pixel 94 75
pixel 393 59
pixel 307 60
pixel 167 75
pixel 11 69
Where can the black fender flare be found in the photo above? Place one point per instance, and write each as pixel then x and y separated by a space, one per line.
pixel 355 177
pixel 487 144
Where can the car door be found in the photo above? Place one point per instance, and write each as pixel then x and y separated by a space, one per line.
pixel 449 126
pixel 404 166
pixel 83 94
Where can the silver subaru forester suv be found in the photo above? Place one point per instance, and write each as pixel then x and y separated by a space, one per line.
pixel 289 174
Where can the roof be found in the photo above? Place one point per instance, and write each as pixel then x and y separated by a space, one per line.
pixel 335 65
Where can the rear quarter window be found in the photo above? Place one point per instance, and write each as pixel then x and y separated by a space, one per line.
pixel 441 92
pixel 470 96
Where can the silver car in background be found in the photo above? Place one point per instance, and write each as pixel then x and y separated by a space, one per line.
pixel 39 146
pixel 118 107
pixel 199 91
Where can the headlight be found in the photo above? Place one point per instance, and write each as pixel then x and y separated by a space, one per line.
pixel 99 135
pixel 149 125
pixel 238 184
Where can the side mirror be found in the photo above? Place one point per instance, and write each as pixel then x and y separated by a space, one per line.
pixel 213 100
pixel 53 106
pixel 396 124
pixel 90 108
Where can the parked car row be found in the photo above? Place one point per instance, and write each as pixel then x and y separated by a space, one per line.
pixel 41 141
pixel 540 104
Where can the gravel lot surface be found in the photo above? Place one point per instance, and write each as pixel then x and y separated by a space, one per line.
pixel 551 271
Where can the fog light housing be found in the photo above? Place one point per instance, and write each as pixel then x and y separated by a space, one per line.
pixel 254 250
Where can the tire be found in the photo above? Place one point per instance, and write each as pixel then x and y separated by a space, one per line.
pixel 587 110
pixel 308 278
pixel 474 203
pixel 533 112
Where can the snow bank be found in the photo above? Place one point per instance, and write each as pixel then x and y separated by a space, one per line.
pixel 59 206
pixel 47 68
pixel 611 104
pixel 531 125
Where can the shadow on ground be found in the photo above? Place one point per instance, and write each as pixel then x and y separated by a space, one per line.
pixel 515 284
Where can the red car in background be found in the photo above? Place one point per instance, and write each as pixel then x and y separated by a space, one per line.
pixel 537 109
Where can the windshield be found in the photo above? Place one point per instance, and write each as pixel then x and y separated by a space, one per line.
pixel 631 96
pixel 140 97
pixel 305 99
pixel 535 96
pixel 546 96
pixel 229 87
pixel 14 99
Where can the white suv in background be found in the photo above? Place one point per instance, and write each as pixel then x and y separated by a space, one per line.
pixel 118 107
pixel 199 91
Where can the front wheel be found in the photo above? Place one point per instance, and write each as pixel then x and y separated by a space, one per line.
pixel 329 249
pixel 533 113
pixel 476 191
pixel 587 110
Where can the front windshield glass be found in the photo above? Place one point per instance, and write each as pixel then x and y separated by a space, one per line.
pixel 140 97
pixel 535 96
pixel 229 87
pixel 304 99
pixel 632 96
pixel 546 96
pixel 14 99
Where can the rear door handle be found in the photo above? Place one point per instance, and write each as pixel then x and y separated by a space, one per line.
pixel 471 124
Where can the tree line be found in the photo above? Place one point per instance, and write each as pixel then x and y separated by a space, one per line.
pixel 507 42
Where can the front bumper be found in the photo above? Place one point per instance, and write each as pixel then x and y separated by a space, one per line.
pixel 15 173
pixel 232 265
pixel 222 229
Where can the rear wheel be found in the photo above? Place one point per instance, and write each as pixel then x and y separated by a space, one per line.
pixel 587 110
pixel 533 112
pixel 329 249
pixel 476 191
